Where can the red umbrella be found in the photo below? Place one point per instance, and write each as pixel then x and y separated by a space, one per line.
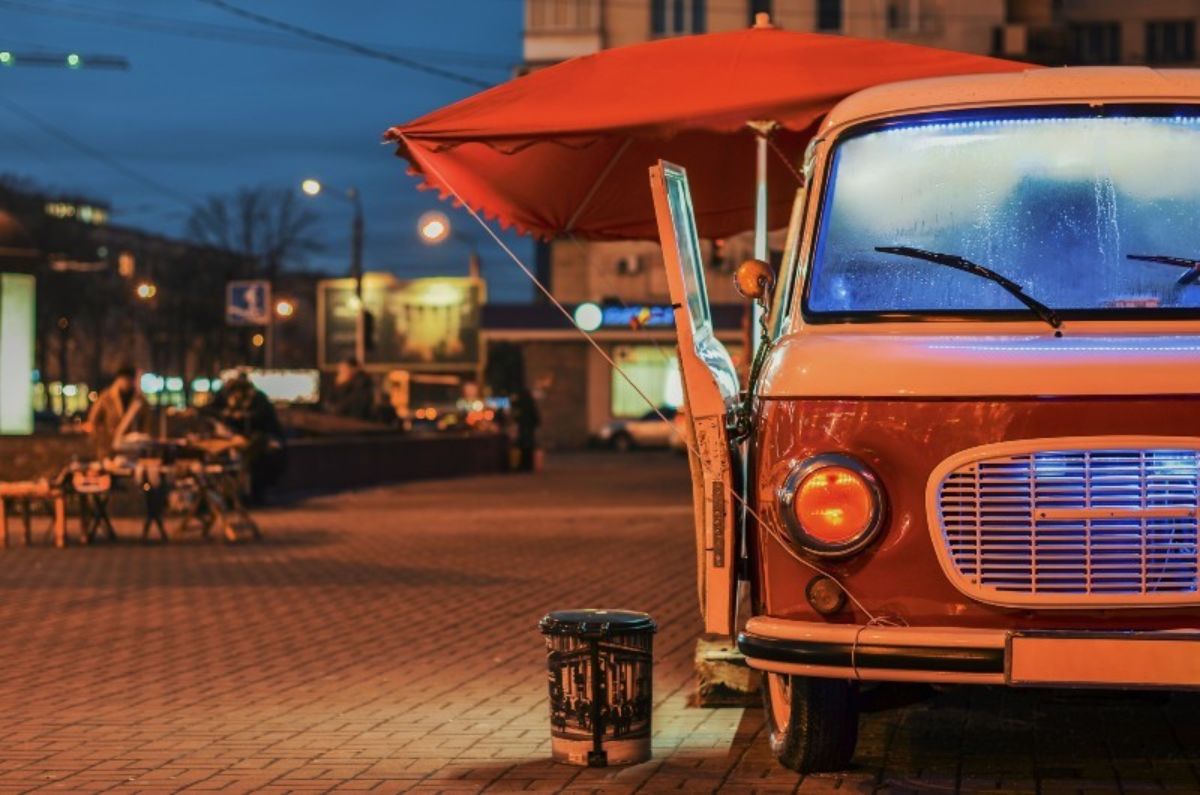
pixel 567 148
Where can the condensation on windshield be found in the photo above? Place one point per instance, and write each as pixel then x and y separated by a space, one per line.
pixel 1055 204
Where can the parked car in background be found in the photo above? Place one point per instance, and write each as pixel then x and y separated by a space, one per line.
pixel 648 430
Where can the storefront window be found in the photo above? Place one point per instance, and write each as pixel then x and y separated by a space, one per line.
pixel 655 370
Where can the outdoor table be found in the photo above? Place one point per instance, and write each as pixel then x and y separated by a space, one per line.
pixel 93 484
pixel 199 478
pixel 25 493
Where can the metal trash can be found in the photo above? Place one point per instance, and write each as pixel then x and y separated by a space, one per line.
pixel 601 679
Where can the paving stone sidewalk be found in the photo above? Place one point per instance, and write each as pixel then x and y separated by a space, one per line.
pixel 386 641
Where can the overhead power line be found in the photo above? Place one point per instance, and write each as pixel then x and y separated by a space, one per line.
pixel 349 46
pixel 94 153
pixel 232 34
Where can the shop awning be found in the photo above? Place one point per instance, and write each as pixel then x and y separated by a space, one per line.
pixel 566 149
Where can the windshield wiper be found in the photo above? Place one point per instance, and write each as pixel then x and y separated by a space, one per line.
pixel 1193 266
pixel 965 265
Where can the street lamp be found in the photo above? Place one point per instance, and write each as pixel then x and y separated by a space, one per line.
pixel 434 229
pixel 285 308
pixel 313 187
pixel 146 290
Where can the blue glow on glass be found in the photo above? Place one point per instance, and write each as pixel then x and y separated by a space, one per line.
pixel 1054 198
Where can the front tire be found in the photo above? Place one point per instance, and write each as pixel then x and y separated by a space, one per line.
pixel 812 723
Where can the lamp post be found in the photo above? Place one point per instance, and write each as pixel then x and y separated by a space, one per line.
pixel 146 291
pixel 283 309
pixel 312 187
pixel 434 228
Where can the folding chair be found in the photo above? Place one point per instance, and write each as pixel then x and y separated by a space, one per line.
pixel 152 480
pixel 93 489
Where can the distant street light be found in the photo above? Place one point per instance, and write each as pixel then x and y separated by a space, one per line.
pixel 312 187
pixel 285 308
pixel 258 340
pixel 56 60
pixel 146 290
pixel 434 229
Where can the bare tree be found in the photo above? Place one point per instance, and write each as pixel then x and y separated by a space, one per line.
pixel 268 226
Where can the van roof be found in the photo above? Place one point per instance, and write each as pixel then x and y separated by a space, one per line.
pixel 1030 87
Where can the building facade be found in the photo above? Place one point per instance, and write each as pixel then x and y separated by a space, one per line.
pixel 1153 32
pixel 560 29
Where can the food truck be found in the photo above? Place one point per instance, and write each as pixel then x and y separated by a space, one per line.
pixel 969 450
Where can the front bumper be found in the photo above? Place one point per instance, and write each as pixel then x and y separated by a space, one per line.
pixel 1024 658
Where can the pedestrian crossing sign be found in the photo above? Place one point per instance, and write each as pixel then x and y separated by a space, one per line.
pixel 248 303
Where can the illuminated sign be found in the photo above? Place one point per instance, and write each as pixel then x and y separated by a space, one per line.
pixel 590 317
pixel 283 386
pixel 88 213
pixel 151 383
pixel 16 353
pixel 418 324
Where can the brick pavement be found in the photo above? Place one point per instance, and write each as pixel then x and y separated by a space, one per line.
pixel 386 641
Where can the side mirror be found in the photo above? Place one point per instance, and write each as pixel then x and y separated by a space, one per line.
pixel 754 279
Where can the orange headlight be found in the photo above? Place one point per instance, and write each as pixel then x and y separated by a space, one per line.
pixel 833 505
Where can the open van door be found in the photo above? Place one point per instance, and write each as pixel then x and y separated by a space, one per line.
pixel 710 384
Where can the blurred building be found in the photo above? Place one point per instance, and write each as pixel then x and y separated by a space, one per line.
pixel 1152 32
pixel 560 29
pixel 577 388
pixel 109 295
pixel 618 293
pixel 1054 32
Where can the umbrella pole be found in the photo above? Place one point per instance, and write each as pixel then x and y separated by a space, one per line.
pixel 762 132
pixel 760 231
pixel 760 200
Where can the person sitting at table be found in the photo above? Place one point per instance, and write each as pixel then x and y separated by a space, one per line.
pixel 117 411
pixel 245 410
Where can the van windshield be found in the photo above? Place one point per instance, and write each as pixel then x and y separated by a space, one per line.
pixel 1094 212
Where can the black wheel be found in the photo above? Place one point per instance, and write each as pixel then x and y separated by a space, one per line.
pixel 622 442
pixel 812 723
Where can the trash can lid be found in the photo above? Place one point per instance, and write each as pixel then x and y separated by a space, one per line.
pixel 596 623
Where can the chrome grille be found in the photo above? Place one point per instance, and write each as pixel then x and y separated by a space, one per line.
pixel 1072 525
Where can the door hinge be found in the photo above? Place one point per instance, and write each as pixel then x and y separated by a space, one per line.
pixel 738 423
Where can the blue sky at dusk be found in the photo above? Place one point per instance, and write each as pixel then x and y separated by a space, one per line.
pixel 213 102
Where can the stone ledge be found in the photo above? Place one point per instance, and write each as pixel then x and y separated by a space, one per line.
pixel 722 677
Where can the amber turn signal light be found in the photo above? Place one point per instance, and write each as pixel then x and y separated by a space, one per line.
pixel 825 595
pixel 833 505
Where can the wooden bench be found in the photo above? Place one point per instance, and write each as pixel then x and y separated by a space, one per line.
pixel 24 494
